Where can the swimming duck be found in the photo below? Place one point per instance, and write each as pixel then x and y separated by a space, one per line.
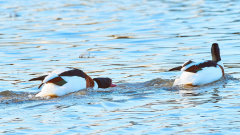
pixel 204 72
pixel 66 80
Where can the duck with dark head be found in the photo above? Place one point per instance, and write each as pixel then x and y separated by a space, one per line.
pixel 66 80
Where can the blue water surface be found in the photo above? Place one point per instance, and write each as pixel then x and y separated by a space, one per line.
pixel 132 42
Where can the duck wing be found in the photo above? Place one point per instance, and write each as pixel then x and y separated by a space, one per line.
pixel 195 67
pixel 73 72
pixel 41 78
pixel 180 67
pixel 176 68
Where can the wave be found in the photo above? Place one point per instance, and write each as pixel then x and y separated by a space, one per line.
pixel 123 90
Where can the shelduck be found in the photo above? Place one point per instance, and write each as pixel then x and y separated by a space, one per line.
pixel 200 73
pixel 66 80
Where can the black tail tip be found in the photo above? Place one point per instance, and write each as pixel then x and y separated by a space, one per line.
pixel 176 68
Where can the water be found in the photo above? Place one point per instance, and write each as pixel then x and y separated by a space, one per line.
pixel 132 42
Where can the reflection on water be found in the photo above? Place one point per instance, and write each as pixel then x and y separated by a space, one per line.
pixel 133 42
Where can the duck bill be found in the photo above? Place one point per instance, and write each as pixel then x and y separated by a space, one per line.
pixel 113 85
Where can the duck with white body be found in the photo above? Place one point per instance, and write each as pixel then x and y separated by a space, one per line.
pixel 67 80
pixel 203 72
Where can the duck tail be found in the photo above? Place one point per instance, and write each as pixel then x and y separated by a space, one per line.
pixel 41 78
pixel 176 68
pixel 40 86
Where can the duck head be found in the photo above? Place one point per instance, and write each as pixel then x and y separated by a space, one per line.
pixel 104 82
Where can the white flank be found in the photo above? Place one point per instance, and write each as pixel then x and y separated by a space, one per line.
pixel 74 83
pixel 205 76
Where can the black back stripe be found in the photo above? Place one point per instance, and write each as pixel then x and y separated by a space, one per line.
pixel 41 78
pixel 198 67
pixel 176 68
pixel 73 72
pixel 189 62
pixel 207 63
pixel 193 69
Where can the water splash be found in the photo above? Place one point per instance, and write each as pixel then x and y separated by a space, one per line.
pixel 123 92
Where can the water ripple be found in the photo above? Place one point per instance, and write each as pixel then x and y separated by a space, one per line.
pixel 132 42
